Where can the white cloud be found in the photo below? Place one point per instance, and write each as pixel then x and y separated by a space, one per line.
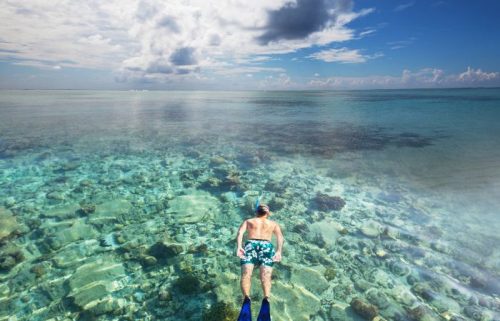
pixel 366 32
pixel 282 81
pixel 424 78
pixel 401 43
pixel 233 70
pixel 154 39
pixel 342 55
pixel 404 6
pixel 69 34
pixel 477 76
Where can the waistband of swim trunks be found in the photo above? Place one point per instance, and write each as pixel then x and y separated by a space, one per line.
pixel 259 240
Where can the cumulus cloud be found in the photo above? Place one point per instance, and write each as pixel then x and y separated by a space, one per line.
pixel 424 78
pixel 478 76
pixel 297 20
pixel 183 56
pixel 156 39
pixel 342 55
pixel 279 82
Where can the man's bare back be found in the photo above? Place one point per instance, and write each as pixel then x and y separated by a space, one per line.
pixel 260 228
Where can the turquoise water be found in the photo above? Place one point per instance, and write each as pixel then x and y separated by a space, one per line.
pixel 125 205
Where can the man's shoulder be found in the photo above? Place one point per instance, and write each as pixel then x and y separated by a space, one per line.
pixel 274 223
pixel 250 220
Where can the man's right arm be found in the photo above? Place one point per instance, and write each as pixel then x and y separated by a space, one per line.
pixel 239 239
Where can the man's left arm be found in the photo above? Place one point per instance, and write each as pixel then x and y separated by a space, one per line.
pixel 280 240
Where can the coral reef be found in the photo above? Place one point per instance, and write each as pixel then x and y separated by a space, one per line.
pixel 325 202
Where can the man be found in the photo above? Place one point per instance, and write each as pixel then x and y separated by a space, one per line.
pixel 258 250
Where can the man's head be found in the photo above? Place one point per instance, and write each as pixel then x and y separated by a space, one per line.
pixel 262 210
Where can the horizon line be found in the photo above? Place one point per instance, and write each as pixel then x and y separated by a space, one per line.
pixel 235 90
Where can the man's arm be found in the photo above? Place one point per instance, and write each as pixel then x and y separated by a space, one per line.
pixel 239 239
pixel 280 239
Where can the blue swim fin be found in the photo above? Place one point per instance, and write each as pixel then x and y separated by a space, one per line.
pixel 246 312
pixel 265 311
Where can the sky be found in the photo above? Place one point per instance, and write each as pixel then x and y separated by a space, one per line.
pixel 249 45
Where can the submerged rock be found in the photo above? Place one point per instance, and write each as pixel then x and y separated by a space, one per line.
pixel 301 229
pixel 276 186
pixel 231 181
pixel 423 313
pixel 108 305
pixel 8 223
pixel 38 269
pixel 162 251
pixel 371 228
pixel 476 313
pixel 148 260
pixel 212 182
pixel 87 208
pixel 329 230
pixel 77 231
pixel 62 212
pixel 330 273
pixel 404 296
pixel 93 282
pixel 221 311
pixel 109 211
pixel 378 298
pixel 339 312
pixel 217 161
pixel 9 202
pixel 188 284
pixel 55 196
pixel 326 202
pixel 10 256
pixel 442 304
pixel 305 304
pixel 194 207
pixel 277 203
pixel 364 309
pixel 310 279
pixel 393 197
pixel 399 268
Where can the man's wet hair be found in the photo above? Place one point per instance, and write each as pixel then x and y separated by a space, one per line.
pixel 262 210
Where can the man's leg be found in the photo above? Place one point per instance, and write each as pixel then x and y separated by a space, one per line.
pixel 246 279
pixel 265 279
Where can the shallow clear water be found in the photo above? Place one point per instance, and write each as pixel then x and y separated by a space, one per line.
pixel 121 205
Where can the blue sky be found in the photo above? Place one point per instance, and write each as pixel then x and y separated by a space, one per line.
pixel 237 44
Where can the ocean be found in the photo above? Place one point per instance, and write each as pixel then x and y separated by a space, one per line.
pixel 124 205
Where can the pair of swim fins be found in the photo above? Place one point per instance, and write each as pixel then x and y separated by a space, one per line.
pixel 246 312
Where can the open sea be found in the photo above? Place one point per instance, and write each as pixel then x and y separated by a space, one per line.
pixel 122 205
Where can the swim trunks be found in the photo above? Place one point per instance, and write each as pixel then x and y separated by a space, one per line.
pixel 258 252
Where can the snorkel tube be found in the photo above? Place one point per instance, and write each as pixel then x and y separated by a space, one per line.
pixel 257 202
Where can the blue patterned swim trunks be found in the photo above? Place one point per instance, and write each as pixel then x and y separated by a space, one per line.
pixel 258 252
